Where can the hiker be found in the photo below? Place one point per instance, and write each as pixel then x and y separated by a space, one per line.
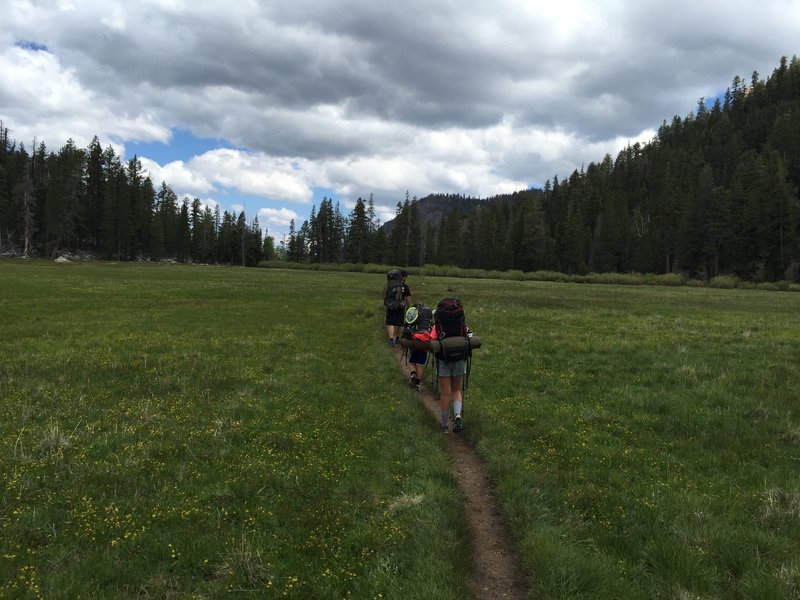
pixel 418 321
pixel 451 365
pixel 396 297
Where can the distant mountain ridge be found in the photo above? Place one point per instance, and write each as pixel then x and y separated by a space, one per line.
pixel 433 208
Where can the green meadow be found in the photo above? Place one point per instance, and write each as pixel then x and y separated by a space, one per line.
pixel 199 432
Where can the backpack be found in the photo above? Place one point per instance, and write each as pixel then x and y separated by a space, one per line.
pixel 449 323
pixel 419 318
pixel 418 321
pixel 393 297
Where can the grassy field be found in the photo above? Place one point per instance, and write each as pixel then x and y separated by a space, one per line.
pixel 171 432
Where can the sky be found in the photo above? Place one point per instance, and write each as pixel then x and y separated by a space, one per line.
pixel 271 106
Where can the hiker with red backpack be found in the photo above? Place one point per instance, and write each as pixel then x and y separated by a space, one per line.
pixel 418 323
pixel 451 346
pixel 396 297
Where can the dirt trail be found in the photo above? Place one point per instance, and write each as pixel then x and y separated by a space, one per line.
pixel 495 570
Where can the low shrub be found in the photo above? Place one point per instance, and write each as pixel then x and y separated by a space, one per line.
pixel 617 278
pixel 545 276
pixel 673 279
pixel 727 282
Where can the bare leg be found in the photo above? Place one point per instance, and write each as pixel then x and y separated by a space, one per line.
pixel 444 393
pixel 458 403
pixel 445 386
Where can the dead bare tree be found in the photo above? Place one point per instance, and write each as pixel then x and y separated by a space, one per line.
pixel 28 225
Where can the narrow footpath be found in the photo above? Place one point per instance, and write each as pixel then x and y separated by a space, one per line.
pixel 495 572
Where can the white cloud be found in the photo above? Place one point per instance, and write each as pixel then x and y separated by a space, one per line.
pixel 361 97
pixel 181 177
pixel 225 172
pixel 254 174
pixel 42 99
pixel 279 217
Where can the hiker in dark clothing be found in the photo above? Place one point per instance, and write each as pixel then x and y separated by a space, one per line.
pixel 396 311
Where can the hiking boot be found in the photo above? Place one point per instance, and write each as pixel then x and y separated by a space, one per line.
pixel 391 342
pixel 445 429
pixel 413 380
pixel 457 424
pixel 417 387
pixel 397 341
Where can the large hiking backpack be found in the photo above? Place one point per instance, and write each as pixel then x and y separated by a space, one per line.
pixel 393 298
pixel 419 318
pixel 450 323
pixel 418 321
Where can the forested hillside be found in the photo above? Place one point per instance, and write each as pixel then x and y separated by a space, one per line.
pixel 715 192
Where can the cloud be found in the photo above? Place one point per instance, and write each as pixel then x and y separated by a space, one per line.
pixel 255 175
pixel 365 98
pixel 234 171
pixel 183 179
pixel 280 217
pixel 40 98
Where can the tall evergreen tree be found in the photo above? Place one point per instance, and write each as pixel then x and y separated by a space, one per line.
pixel 95 198
pixel 357 240
pixel 65 193
pixel 167 214
pixel 416 240
pixel 183 233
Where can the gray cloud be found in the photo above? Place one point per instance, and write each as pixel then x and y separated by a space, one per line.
pixel 364 89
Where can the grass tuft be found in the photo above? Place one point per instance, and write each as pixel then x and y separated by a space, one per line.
pixel 53 441
pixel 778 505
pixel 243 557
pixel 789 577
pixel 791 438
pixel 405 500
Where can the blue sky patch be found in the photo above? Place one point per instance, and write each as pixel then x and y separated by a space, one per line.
pixel 31 45
pixel 183 146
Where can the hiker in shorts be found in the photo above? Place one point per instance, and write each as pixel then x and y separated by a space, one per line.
pixel 418 322
pixel 449 322
pixel 395 312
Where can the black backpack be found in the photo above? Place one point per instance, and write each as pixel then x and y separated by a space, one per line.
pixel 419 318
pixel 393 299
pixel 449 322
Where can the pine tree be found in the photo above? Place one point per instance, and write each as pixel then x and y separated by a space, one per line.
pixel 167 214
pixel 228 239
pixel 183 233
pixel 379 248
pixel 196 227
pixel 451 243
pixel 531 254
pixel 358 234
pixel 65 193
pixel 115 216
pixel 139 207
pixel 415 235
pixel 95 198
